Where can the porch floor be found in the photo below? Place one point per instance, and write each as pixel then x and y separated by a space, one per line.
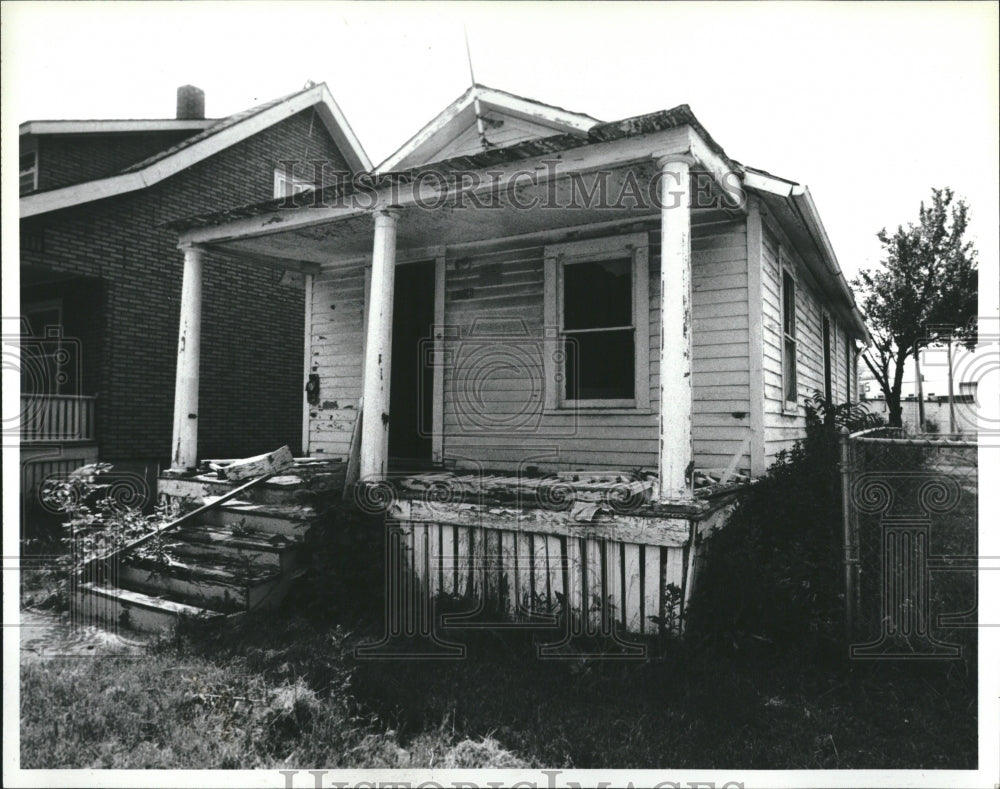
pixel 581 485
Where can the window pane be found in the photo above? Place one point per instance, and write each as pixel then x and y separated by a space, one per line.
pixel 597 295
pixel 788 369
pixel 600 365
pixel 788 304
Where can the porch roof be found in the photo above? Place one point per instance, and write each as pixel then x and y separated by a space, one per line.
pixel 331 218
pixel 662 120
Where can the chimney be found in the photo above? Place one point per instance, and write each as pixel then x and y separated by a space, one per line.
pixel 190 103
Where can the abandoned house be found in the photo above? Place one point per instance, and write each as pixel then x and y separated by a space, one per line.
pixel 101 281
pixel 550 348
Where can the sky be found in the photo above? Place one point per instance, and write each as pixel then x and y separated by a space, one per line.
pixel 869 104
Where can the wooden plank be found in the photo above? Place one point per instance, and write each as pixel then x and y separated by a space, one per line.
pixel 632 603
pixel 673 573
pixel 448 576
pixel 652 581
pixel 540 575
pixel 574 577
pixel 421 559
pixel 554 565
pixel 268 463
pixel 524 573
pixel 354 451
pixel 612 572
pixel 492 567
pixel 508 547
pixel 592 561
pixel 479 563
pixel 463 576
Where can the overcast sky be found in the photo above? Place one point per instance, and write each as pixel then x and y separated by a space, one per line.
pixel 869 104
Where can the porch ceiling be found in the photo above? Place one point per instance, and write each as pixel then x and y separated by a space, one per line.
pixel 563 204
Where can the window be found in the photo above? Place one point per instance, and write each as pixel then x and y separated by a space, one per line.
pixel 29 172
pixel 286 183
pixel 827 361
pixel 597 309
pixel 788 365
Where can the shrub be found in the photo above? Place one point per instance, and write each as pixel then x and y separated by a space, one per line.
pixel 773 575
pixel 95 524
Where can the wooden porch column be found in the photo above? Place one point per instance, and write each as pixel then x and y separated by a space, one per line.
pixel 184 448
pixel 675 451
pixel 378 349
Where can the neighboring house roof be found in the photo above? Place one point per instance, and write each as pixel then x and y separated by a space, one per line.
pixel 218 136
pixel 113 126
pixel 461 116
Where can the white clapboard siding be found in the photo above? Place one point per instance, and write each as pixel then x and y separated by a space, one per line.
pixel 336 342
pixel 782 429
pixel 501 422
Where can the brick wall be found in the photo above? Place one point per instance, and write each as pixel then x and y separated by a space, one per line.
pixel 65 159
pixel 251 366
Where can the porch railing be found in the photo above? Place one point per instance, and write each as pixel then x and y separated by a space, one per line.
pixel 47 418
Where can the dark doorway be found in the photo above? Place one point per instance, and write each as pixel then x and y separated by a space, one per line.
pixel 412 381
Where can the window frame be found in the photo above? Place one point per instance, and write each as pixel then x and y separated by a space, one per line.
pixel 33 170
pixel 828 338
pixel 788 274
pixel 283 178
pixel 557 256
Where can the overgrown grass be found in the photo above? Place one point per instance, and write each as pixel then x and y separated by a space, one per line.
pixel 285 689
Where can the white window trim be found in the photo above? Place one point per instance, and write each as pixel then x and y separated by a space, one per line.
pixel 282 178
pixel 635 245
pixel 825 315
pixel 787 266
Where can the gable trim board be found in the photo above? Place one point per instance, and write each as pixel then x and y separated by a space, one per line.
pixel 318 96
pixel 451 122
pixel 799 203
pixel 113 126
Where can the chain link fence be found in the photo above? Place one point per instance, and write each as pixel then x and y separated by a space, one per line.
pixel 910 507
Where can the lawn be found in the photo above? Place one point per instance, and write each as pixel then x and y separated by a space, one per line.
pixel 287 690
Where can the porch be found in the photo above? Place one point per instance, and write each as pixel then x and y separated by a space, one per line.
pixel 437 338
pixel 57 435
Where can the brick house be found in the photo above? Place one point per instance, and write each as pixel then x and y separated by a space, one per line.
pixel 101 279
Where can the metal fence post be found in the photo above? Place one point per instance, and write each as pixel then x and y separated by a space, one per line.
pixel 849 548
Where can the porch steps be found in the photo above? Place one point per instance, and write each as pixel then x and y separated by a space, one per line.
pixel 131 610
pixel 240 556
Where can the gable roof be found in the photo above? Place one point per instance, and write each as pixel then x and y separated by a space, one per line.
pixel 461 115
pixel 216 137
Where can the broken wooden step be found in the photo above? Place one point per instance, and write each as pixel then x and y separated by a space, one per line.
pixel 210 542
pixel 288 520
pixel 133 610
pixel 220 586
pixel 257 466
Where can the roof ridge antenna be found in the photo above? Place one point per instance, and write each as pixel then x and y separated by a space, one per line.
pixel 475 94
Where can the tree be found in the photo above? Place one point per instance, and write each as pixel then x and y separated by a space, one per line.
pixel 924 290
